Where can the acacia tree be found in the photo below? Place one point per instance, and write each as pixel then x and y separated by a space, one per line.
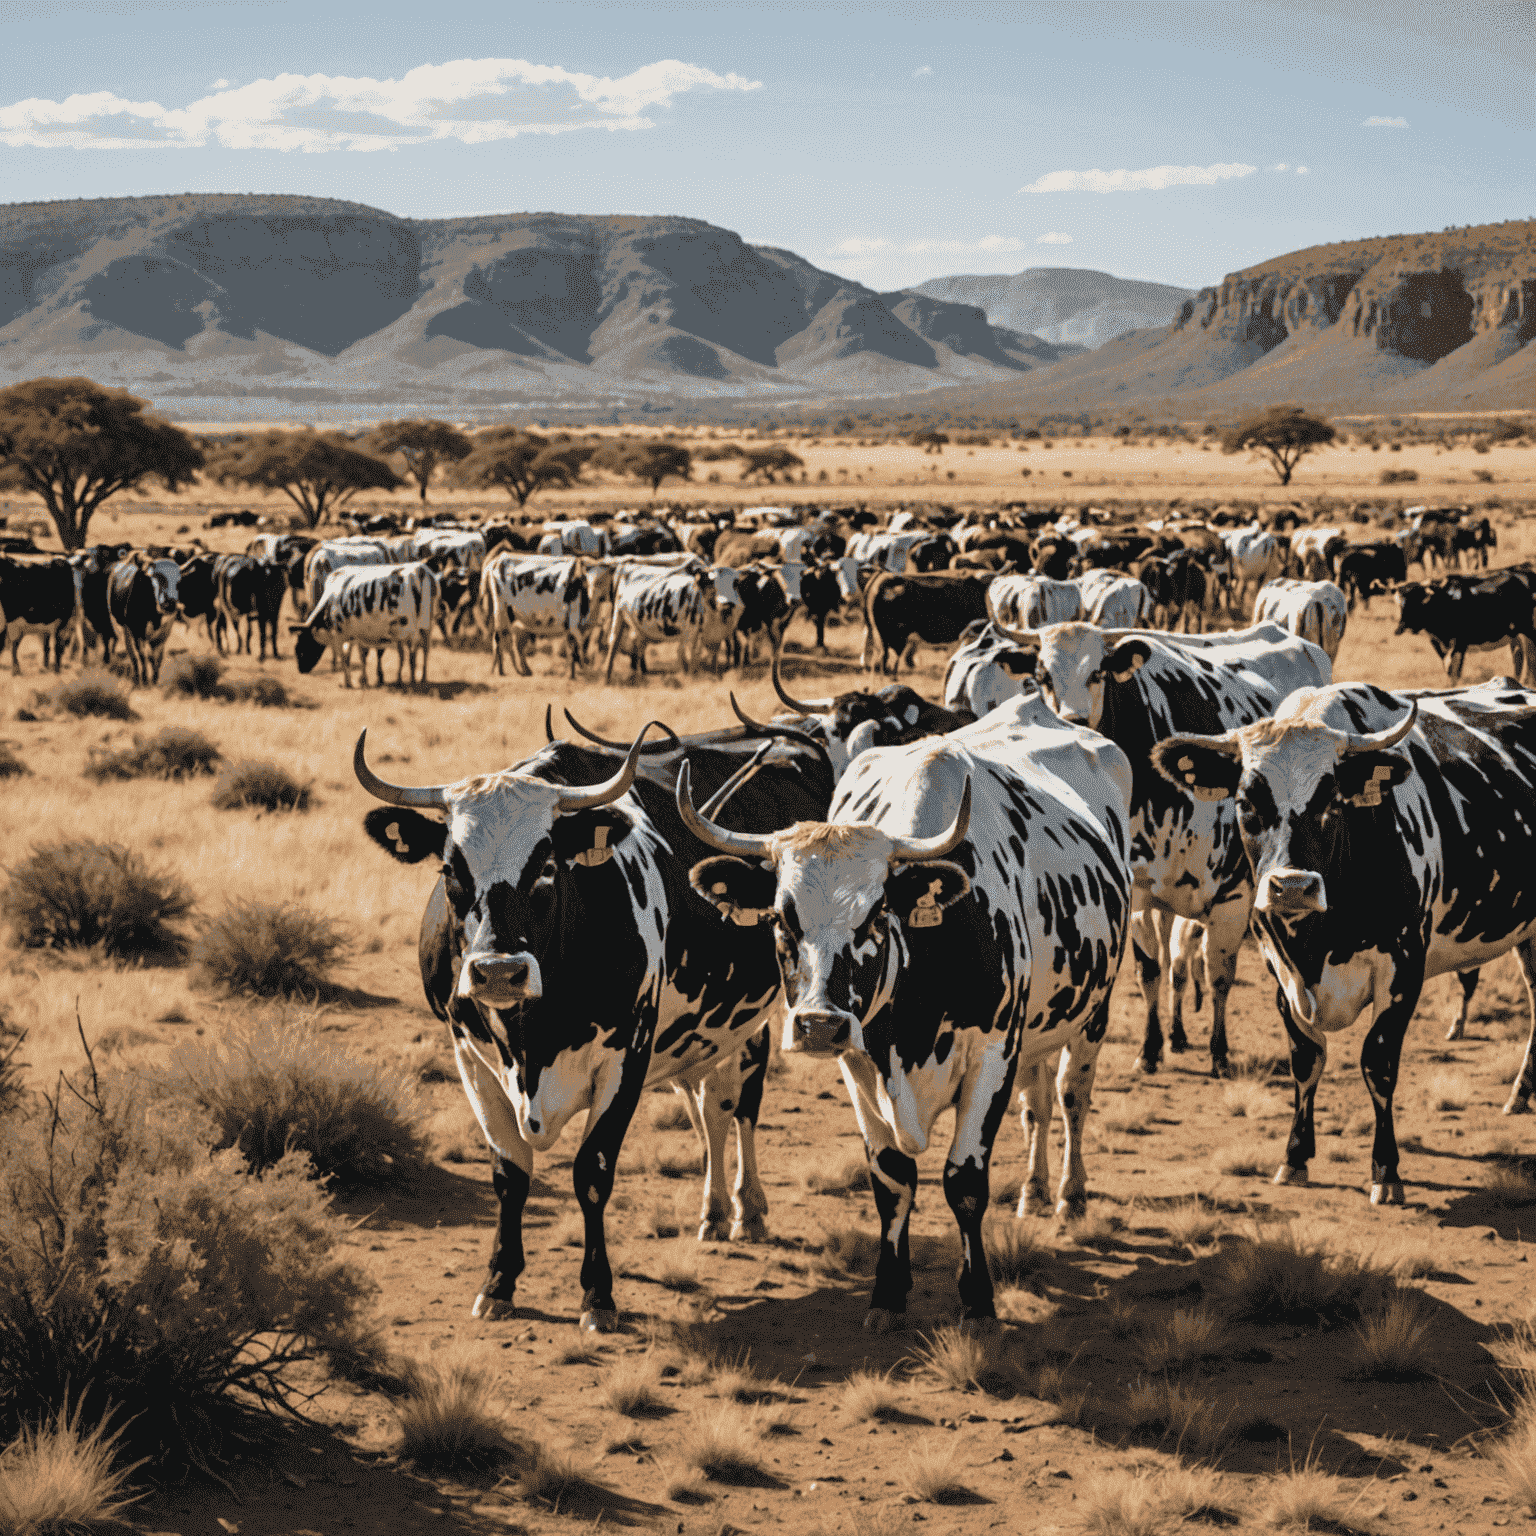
pixel 319 472
pixel 75 443
pixel 423 445
pixel 769 462
pixel 647 460
pixel 521 462
pixel 1284 434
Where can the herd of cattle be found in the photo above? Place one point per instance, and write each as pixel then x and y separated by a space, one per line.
pixel 720 587
pixel 940 896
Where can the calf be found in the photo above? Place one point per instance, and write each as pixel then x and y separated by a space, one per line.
pixel 1367 821
pixel 1315 610
pixel 142 604
pixel 1461 613
pixel 371 608
pixel 955 922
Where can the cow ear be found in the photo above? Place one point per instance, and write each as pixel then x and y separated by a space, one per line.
pixel 1362 779
pixel 1017 663
pixel 1200 771
pixel 406 836
pixel 740 889
pixel 919 893
pixel 588 838
pixel 1126 660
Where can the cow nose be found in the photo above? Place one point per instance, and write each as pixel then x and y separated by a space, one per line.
pixel 501 979
pixel 1074 719
pixel 819 1031
pixel 497 970
pixel 1295 890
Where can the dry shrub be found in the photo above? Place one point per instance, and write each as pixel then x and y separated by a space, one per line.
pixel 193 677
pixel 663 1222
pixel 722 1443
pixel 138 1265
pixel 679 1270
pixel 870 1395
pixel 934 1473
pixel 11 766
pixel 1238 1164
pixel 1051 1385
pixel 1145 1500
pixel 1249 1100
pixel 269 949
pixel 1510 1184
pixel 452 1420
pixel 173 753
pixel 1094 1231
pixel 955 1358
pixel 847 1251
pixel 670 1114
pixel 677 1165
pixel 1449 1091
pixel 1515 1457
pixel 267 692
pixel 1399 476
pixel 850 1177
pixel 267 785
pixel 553 1477
pixel 57 1479
pixel 1178 1413
pixel 1016 1252
pixel 79 894
pixel 1187 1337
pixel 630 1388
pixel 1193 1223
pixel 361 1353
pixel 279 1087
pixel 92 693
pixel 1393 1344
pixel 1307 1498
pixel 1293 1279
pixel 12 1087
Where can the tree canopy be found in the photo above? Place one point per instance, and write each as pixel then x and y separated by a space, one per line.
pixel 1284 434
pixel 769 462
pixel 75 443
pixel 646 459
pixel 318 471
pixel 423 445
pixel 521 462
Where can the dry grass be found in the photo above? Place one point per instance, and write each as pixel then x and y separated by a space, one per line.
pixel 1293 1278
pixel 1052 1385
pixel 1194 1423
pixel 934 1473
pixel 678 1269
pixel 555 1477
pixel 93 693
pixel 11 766
pixel 1096 1231
pixel 1194 1224
pixel 361 1353
pixel 267 786
pixel 870 1396
pixel 171 753
pixel 267 949
pixel 1307 1498
pixel 1144 1500
pixel 1240 1163
pixel 453 1421
pixel 1016 1251
pixel 1510 1184
pixel 850 1177
pixel 1393 1344
pixel 670 1114
pixel 676 1165
pixel 630 1387
pixel 663 1222
pixel 1449 1091
pixel 1249 1100
pixel 1515 1457
pixel 722 1443
pixel 1187 1337
pixel 847 1251
pixel 954 1358
pixel 56 1479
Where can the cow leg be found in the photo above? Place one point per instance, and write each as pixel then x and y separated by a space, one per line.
pixel 614 630
pixel 1224 931
pixel 592 1173
pixel 342 654
pixel 1035 1101
pixel 426 656
pixel 1524 1086
pixel 1149 942
pixel 519 654
pixel 1308 1058
pixel 821 631
pixel 979 1113
pixel 1468 980
pixel 710 1104
pixel 1380 1056
pixel 1074 1092
pixel 749 1201
pixel 893 1181
pixel 1185 944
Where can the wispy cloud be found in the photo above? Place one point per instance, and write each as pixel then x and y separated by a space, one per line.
pixel 1385 122
pixel 1053 237
pixel 1303 170
pixel 1154 179
pixel 987 245
pixel 858 246
pixel 1281 167
pixel 921 70
pixel 475 101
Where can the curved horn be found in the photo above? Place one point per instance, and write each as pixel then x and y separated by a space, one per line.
pixel 1379 741
pixel 788 733
pixel 610 790
pixel 549 722
pixel 673 745
pixel 914 850
pixel 743 844
pixel 800 706
pixel 424 797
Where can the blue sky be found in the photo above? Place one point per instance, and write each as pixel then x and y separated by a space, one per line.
pixel 888 142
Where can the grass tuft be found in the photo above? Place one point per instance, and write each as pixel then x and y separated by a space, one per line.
pixel 268 786
pixel 267 949
pixel 954 1358
pixel 11 766
pixel 870 1396
pixel 1306 1498
pixel 847 1251
pixel 173 753
pixel 93 693
pixel 679 1270
pixel 360 1353
pixel 722 1443
pixel 850 1177
pixel 1143 1501
pixel 79 894
pixel 1393 1344
pixel 1515 1457
pixel 1249 1100
pixel 1449 1091
pixel 1510 1184
pixel 663 1222
pixel 452 1421
pixel 670 1114
pixel 1187 1337
pixel 677 1165
pixel 193 677
pixel 554 1477
pixel 1194 1224
pixel 630 1388
pixel 1015 1251
pixel 1238 1164
pixel 1177 1413
pixel 57 1479
pixel 1293 1279
pixel 934 1473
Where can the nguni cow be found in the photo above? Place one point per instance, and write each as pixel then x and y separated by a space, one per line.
pixel 695 605
pixel 572 537
pixel 142 602
pixel 1032 602
pixel 334 555
pixel 1255 558
pixel 466 549
pixel 36 599
pixel 1390 839
pixel 1113 600
pixel 251 592
pixel 1176 586
pixel 371 608
pixel 901 610
pixel 1137 688
pixel 1461 613
pixel 986 669
pixel 532 595
pixel 1315 610
pixel 536 860
pixel 888 551
pixel 957 920
pixel 1314 550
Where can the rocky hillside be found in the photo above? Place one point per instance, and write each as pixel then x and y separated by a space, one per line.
pixel 1070 306
pixel 261 301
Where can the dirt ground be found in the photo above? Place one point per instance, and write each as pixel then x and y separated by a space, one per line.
pixel 1099 1294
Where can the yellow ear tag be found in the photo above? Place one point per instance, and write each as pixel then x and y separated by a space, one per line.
pixel 927 913
pixel 598 853
pixel 392 831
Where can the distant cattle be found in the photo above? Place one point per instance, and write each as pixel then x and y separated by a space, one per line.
pixel 1314 610
pixel 531 595
pixel 697 606
pixel 36 598
pixel 248 592
pixel 143 603
pixel 1471 541
pixel 1314 552
pixel 986 669
pixel 1366 569
pixel 572 537
pixel 1176 587
pixel 1463 612
pixel 1254 557
pixel 888 551
pixel 823 588
pixel 367 608
pixel 901 610
pixel 1031 602
pixel 325 559
pixel 1113 600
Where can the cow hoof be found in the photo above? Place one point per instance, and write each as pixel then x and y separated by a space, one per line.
pixel 1178 1045
pixel 713 1231
pixel 1456 1031
pixel 1387 1194
pixel 753 1230
pixel 1145 1065
pixel 489 1309
pixel 1519 1104
pixel 1072 1208
pixel 878 1320
pixel 599 1322
pixel 1286 1174
pixel 1221 1068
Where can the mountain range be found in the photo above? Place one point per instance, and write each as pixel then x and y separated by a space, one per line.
pixel 268 306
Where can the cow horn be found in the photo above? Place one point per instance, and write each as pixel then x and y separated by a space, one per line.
pixel 674 745
pixel 1379 741
pixel 788 733
pixel 800 706
pixel 743 844
pixel 549 722
pixel 610 790
pixel 914 850
pixel 422 797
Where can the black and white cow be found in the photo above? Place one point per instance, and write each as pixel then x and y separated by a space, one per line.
pixel 1316 610
pixel 1366 569
pixel 536 860
pixel 334 555
pixel 1461 613
pixel 695 605
pixel 143 605
pixel 958 919
pixel 532 595
pixel 986 669
pixel 371 608
pixel 248 592
pixel 1031 601
pixel 36 598
pixel 1391 839
pixel 1138 687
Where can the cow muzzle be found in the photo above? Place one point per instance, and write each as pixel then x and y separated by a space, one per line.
pixel 500 981
pixel 1293 892
pixel 819 1031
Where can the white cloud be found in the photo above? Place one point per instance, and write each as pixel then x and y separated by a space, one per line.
pixel 1154 179
pixel 1281 167
pixel 1385 122
pixel 858 247
pixel 987 245
pixel 220 85
pixel 1303 170
pixel 921 70
pixel 1053 237
pixel 473 101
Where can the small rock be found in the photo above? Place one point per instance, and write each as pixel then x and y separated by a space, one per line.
pixel 450 1274
pixel 825 1441
pixel 975 1418
pixel 1062 1472
pixel 1440 1482
pixel 1005 1456
pixel 1409 1495
pixel 1428 1466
